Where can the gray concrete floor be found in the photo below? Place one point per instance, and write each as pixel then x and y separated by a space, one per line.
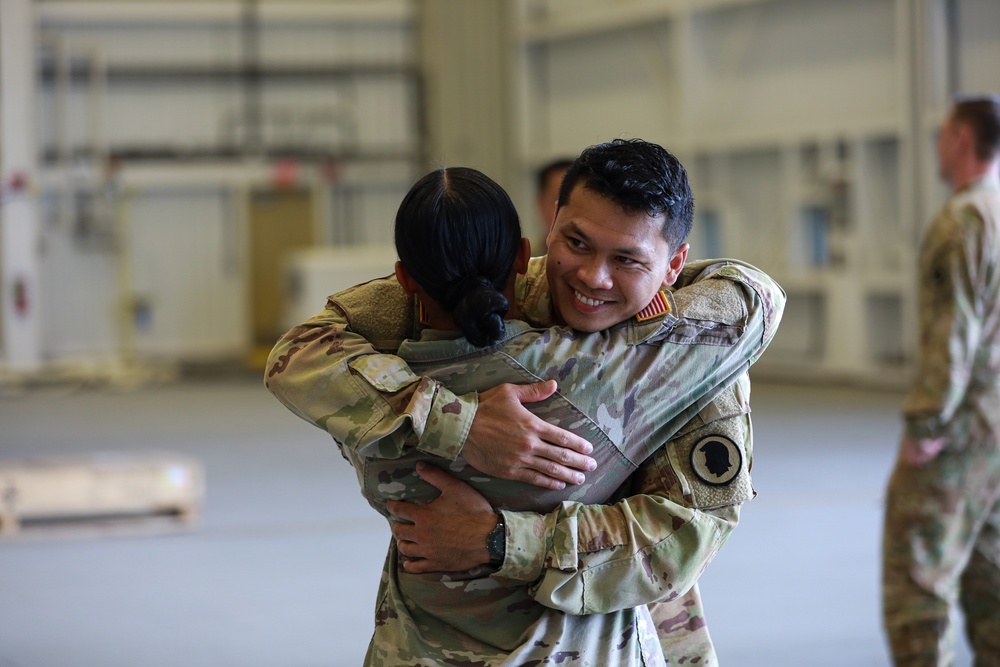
pixel 283 567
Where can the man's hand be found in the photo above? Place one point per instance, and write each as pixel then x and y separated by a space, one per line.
pixel 447 534
pixel 508 441
pixel 918 452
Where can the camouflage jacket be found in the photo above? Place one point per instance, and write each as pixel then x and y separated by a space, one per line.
pixel 582 557
pixel 956 394
pixel 374 404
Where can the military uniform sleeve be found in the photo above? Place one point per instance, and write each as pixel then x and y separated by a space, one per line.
pixel 702 287
pixel 654 544
pixel 335 371
pixel 332 376
pixel 952 268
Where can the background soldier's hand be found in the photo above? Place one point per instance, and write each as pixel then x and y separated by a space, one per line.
pixel 508 441
pixel 447 534
pixel 920 451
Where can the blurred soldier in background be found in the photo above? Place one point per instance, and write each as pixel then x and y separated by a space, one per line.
pixel 942 526
pixel 548 179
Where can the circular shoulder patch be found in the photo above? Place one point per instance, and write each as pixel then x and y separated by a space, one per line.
pixel 716 460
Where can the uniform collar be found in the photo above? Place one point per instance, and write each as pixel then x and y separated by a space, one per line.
pixel 437 345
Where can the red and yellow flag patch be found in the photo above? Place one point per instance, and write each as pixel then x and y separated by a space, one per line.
pixel 657 307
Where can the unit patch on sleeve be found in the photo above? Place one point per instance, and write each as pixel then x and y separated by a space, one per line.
pixel 712 461
pixel 716 460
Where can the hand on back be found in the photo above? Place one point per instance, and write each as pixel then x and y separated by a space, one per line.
pixel 508 441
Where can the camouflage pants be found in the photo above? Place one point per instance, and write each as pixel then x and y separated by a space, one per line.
pixel 680 626
pixel 941 547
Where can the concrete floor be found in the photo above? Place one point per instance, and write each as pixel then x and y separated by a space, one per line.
pixel 283 567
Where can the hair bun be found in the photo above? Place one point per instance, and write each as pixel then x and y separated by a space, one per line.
pixel 480 312
pixel 460 289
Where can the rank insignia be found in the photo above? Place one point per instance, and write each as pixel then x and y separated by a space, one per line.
pixel 716 460
pixel 657 307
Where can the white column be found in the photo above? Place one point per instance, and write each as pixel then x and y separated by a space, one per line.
pixel 20 338
pixel 465 52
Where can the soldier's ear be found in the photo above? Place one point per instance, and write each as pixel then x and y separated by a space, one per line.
pixel 407 282
pixel 676 264
pixel 966 138
pixel 523 255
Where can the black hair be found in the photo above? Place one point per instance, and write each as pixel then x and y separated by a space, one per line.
pixel 458 235
pixel 982 114
pixel 639 176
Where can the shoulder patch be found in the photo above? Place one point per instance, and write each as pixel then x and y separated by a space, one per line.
pixel 712 300
pixel 379 311
pixel 657 307
pixel 713 462
pixel 716 460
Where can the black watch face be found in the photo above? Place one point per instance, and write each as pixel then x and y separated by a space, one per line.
pixel 495 544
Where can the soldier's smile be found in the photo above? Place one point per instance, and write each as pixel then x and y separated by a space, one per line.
pixel 605 264
pixel 588 302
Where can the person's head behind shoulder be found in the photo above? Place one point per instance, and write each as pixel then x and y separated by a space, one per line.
pixel 624 211
pixel 458 237
pixel 548 179
pixel 969 139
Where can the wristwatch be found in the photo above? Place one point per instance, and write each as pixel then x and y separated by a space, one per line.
pixel 496 542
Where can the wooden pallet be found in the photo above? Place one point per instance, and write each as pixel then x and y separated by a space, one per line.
pixel 99 489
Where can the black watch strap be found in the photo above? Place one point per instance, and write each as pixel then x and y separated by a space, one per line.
pixel 496 542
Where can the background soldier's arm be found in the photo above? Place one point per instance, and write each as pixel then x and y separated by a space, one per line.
pixel 953 266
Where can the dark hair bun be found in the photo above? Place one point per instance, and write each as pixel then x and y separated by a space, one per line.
pixel 480 313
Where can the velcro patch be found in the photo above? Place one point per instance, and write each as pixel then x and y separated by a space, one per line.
pixel 716 460
pixel 385 325
pixel 712 462
pixel 658 307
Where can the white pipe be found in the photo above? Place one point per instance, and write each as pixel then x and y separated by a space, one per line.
pixel 118 13
pixel 63 145
pixel 20 260
pixel 96 87
pixel 124 280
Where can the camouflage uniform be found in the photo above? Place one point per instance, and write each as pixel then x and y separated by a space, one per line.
pixel 942 528
pixel 597 563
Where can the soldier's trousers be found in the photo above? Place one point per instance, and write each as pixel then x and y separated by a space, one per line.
pixel 941 546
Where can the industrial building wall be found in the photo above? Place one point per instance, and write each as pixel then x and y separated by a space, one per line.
pixel 164 134
pixel 186 178
pixel 807 126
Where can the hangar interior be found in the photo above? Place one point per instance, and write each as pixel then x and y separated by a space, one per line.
pixel 183 181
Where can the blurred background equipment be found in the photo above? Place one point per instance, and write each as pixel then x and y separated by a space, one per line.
pixel 105 490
